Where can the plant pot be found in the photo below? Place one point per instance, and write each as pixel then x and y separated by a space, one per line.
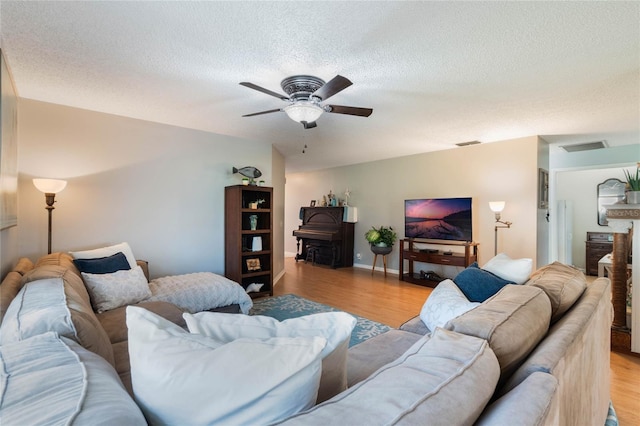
pixel 633 197
pixel 377 249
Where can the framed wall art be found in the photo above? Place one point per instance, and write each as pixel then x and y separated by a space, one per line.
pixel 543 189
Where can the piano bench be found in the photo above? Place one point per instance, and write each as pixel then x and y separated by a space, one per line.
pixel 311 254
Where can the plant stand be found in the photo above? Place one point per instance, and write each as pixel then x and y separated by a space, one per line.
pixel 383 251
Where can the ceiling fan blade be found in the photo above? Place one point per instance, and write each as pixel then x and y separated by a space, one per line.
pixel 263 90
pixel 262 112
pixel 309 125
pixel 333 86
pixel 361 112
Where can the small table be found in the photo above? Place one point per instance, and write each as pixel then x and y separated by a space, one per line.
pixel 604 265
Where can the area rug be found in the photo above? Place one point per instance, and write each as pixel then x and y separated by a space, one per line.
pixel 292 306
pixel 612 418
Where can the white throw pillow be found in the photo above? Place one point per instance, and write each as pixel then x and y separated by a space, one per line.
pixel 336 327
pixel 514 270
pixel 181 378
pixel 120 288
pixel 105 252
pixel 445 302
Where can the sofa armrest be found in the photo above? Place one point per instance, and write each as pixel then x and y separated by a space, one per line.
pixel 145 268
pixel 415 325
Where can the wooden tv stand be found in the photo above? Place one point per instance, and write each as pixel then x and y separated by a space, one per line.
pixel 409 253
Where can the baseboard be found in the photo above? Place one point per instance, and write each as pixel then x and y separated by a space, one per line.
pixel 378 268
pixel 278 277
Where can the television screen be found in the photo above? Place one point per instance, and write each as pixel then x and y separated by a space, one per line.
pixel 438 219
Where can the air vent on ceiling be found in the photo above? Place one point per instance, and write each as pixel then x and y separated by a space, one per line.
pixel 468 143
pixel 588 146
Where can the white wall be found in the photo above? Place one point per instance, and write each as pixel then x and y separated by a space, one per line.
pixel 580 187
pixel 277 177
pixel 158 187
pixel 612 159
pixel 497 171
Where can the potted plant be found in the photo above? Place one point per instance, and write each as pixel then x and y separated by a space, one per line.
pixel 381 239
pixel 633 185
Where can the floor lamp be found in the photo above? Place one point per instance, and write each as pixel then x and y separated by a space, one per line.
pixel 50 187
pixel 497 207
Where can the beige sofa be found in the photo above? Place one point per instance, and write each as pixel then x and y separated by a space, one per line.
pixel 551 338
pixel 532 354
pixel 103 333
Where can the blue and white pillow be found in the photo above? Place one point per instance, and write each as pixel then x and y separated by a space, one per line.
pixel 103 265
pixel 445 302
pixel 478 284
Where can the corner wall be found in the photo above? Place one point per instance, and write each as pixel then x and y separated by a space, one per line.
pixel 8 128
pixel 158 187
pixel 505 170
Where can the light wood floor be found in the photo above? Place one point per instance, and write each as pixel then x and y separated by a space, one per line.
pixel 392 302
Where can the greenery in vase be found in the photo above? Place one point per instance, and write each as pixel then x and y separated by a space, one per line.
pixel 633 181
pixel 383 234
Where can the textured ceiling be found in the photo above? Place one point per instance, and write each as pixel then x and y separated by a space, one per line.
pixel 435 73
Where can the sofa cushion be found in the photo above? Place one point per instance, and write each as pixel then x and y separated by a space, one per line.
pixel 529 404
pixel 366 357
pixel 63 260
pixel 183 378
pixel 477 284
pixel 107 251
pixel 335 327
pixel 513 270
pixel 121 288
pixel 103 265
pixel 445 302
pixel 114 321
pixel 51 380
pixel 446 378
pixel 70 278
pixel 562 283
pixel 513 322
pixel 51 304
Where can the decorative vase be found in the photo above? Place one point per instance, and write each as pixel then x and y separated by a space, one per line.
pixel 378 249
pixel 633 197
pixel 253 221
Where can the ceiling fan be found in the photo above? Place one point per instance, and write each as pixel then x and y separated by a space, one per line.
pixel 306 93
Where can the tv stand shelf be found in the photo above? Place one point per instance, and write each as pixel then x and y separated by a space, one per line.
pixel 411 254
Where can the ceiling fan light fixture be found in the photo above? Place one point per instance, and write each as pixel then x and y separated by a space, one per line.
pixel 303 111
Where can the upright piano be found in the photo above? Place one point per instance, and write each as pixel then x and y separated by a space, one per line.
pixel 325 237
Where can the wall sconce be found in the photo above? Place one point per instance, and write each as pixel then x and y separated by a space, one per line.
pixel 50 187
pixel 497 207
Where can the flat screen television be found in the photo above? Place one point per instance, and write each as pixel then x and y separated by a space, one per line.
pixel 438 219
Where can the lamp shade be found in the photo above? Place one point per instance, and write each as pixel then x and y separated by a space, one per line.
pixel 50 186
pixel 496 206
pixel 303 111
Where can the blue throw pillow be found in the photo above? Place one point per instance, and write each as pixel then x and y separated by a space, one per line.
pixel 103 265
pixel 477 284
